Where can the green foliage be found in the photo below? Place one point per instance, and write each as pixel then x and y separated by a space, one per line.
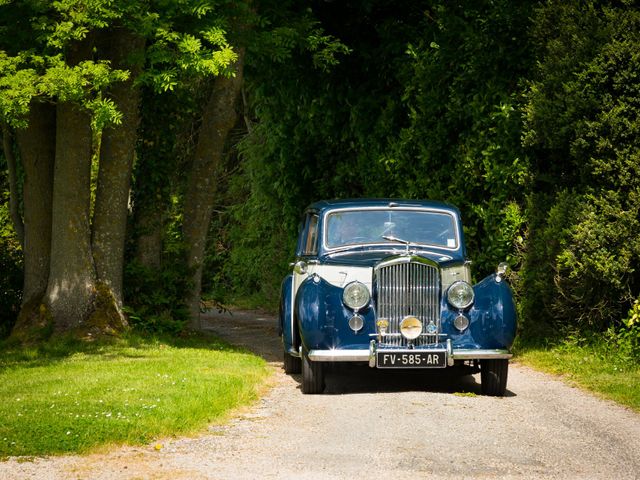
pixel 155 298
pixel 63 396
pixel 183 42
pixel 461 95
pixel 421 103
pixel 173 55
pixel 627 337
pixel 583 121
pixel 69 21
pixel 10 261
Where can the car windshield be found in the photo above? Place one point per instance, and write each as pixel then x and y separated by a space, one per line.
pixel 354 227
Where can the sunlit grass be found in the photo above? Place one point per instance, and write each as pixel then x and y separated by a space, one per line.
pixel 71 397
pixel 592 366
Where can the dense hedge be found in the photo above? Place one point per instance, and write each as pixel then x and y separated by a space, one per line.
pixel 525 116
pixel 583 125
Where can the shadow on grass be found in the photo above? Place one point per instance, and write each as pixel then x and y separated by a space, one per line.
pixel 58 349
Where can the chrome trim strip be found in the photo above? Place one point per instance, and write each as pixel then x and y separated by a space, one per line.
pixel 339 355
pixel 349 249
pixel 471 354
pixel 369 355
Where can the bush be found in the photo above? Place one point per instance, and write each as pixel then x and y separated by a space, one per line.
pixel 628 336
pixel 583 121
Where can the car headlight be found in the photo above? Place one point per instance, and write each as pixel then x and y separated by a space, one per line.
pixel 460 294
pixel 356 295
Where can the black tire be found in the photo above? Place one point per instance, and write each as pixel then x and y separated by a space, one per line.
pixel 312 376
pixel 291 364
pixel 493 375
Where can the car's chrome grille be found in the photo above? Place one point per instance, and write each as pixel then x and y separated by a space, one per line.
pixel 404 289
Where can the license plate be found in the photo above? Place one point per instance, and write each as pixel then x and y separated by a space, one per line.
pixel 416 359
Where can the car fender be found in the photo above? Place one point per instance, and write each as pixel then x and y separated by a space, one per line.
pixel 286 324
pixel 493 315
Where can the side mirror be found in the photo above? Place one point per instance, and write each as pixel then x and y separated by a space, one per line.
pixel 501 271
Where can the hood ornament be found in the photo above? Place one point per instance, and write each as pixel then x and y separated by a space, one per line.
pixel 391 238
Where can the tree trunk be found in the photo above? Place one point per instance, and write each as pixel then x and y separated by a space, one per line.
pixel 14 201
pixel 116 162
pixel 149 240
pixel 155 168
pixel 72 280
pixel 37 151
pixel 218 118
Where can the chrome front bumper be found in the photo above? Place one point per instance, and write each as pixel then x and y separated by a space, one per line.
pixel 369 355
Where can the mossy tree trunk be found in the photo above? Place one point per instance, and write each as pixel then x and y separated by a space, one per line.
pixel 73 267
pixel 36 145
pixel 219 117
pixel 116 161
pixel 72 279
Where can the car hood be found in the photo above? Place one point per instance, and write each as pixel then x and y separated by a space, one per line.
pixel 369 258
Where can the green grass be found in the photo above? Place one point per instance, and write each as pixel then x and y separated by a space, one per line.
pixel 594 366
pixel 73 397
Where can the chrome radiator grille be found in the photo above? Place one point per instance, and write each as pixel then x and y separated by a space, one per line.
pixel 408 289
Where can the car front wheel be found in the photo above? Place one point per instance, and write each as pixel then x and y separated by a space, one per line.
pixel 291 364
pixel 312 375
pixel 493 375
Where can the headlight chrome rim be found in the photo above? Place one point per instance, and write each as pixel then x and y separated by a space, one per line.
pixel 461 322
pixel 356 323
pixel 356 295
pixel 460 295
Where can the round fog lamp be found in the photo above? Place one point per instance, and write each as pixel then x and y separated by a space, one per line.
pixel 411 328
pixel 460 294
pixel 461 322
pixel 356 295
pixel 356 323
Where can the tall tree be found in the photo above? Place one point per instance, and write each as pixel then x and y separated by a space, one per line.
pixel 72 276
pixel 37 152
pixel 125 49
pixel 78 62
pixel 218 118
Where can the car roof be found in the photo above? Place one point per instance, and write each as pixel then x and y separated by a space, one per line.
pixel 324 205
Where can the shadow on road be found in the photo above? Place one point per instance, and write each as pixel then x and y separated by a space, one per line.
pixel 258 333
pixel 350 378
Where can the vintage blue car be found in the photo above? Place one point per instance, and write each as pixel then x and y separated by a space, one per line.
pixel 388 282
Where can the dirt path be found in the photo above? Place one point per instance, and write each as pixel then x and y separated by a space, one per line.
pixel 381 424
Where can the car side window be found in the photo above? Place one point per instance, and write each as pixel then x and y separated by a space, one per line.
pixel 311 242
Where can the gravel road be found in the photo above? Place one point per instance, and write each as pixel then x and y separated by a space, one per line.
pixel 380 424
